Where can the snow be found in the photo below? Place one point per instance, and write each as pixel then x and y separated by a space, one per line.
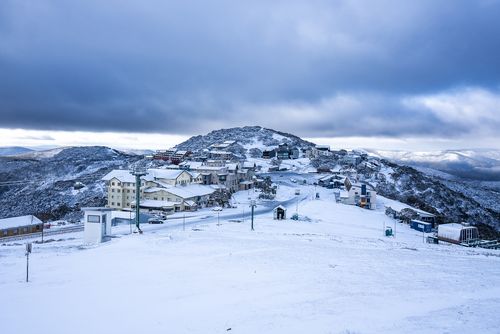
pixel 384 202
pixel 333 272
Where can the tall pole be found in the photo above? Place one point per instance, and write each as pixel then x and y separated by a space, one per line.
pixel 252 205
pixel 138 173
pixel 184 222
pixel 27 265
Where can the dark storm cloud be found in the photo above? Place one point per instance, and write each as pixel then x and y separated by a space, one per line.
pixel 360 68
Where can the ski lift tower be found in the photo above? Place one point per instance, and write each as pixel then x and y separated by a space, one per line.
pixel 138 172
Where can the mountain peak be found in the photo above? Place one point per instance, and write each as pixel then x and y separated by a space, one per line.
pixel 245 139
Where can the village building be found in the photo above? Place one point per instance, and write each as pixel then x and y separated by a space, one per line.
pixel 360 194
pixel 158 185
pixel 20 225
pixel 268 154
pixel 286 152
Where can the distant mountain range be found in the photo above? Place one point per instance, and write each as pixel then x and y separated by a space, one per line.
pixel 481 164
pixel 14 150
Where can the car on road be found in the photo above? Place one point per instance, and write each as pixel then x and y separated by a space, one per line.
pixel 155 220
pixel 217 208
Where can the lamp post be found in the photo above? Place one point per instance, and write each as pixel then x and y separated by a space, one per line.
pixel 252 205
pixel 28 251
pixel 138 172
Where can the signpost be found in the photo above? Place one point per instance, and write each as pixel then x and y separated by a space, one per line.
pixel 28 251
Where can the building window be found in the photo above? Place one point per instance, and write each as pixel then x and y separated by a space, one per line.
pixel 112 183
pixel 117 190
pixel 93 219
pixel 112 190
pixel 112 203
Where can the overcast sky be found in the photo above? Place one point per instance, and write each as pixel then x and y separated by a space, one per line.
pixel 393 74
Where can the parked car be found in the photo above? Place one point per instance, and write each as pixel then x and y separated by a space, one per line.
pixel 155 220
pixel 217 208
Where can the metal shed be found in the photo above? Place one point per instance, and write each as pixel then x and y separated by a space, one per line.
pixel 279 212
pixel 421 226
pixel 457 233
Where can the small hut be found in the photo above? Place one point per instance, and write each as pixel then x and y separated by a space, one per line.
pixel 279 212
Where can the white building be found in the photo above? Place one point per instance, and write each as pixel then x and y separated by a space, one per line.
pixel 363 195
pixel 97 224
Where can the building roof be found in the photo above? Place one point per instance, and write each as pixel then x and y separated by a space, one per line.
pixel 19 221
pixel 123 175
pixel 280 207
pixel 156 204
pixel 190 191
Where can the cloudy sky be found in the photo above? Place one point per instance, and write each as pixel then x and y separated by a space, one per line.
pixel 390 74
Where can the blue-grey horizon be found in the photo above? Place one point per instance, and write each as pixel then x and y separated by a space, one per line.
pixel 314 68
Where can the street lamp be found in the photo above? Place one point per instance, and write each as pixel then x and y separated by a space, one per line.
pixel 252 205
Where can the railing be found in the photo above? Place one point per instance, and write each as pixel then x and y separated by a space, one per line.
pixel 46 232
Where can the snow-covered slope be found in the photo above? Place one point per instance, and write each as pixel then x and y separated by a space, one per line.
pixel 335 273
pixel 42 183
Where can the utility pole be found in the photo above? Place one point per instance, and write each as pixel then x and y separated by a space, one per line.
pixel 28 251
pixel 184 222
pixel 138 172
pixel 218 223
pixel 252 205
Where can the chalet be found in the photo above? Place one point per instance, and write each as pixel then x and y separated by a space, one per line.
pixel 285 152
pixel 268 154
pixel 20 225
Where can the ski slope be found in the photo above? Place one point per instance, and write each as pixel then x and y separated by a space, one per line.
pixel 331 272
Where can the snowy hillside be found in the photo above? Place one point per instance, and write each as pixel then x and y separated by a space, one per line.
pixel 43 182
pixel 250 140
pixel 331 272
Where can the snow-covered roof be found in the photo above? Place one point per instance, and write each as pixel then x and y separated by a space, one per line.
pixel 122 175
pixel 168 174
pixel 190 191
pixel 279 207
pixel 154 189
pixel 452 230
pixel 151 203
pixel 220 152
pixel 420 222
pixel 19 221
pixel 190 203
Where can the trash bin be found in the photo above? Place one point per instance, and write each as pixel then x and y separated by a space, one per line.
pixel 388 231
